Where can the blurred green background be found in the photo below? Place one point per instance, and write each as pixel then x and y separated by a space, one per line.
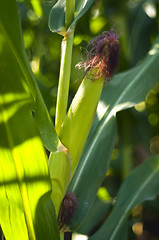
pixel 137 23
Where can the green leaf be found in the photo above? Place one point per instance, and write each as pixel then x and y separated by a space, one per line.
pixel 99 211
pixel 124 91
pixel 36 5
pixel 10 28
pixel 92 171
pixel 45 125
pixel 26 209
pixel 24 178
pixel 57 15
pixel 82 7
pixel 140 185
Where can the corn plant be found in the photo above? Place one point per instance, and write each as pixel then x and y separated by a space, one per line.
pixel 42 196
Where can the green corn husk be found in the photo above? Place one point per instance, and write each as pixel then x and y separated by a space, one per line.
pixel 79 119
pixel 60 173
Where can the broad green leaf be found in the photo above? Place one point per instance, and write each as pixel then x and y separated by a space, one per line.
pixel 45 125
pixel 124 91
pixel 26 209
pixel 57 15
pixel 25 203
pixel 99 211
pixel 92 172
pixel 10 28
pixel 25 186
pixel 140 185
pixel 57 18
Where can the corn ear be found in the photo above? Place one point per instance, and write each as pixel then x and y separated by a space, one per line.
pixel 60 172
pixel 78 121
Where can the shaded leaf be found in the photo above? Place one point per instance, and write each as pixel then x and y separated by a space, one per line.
pixel 57 15
pixel 91 172
pixel 97 214
pixel 45 125
pixel 140 185
pixel 81 8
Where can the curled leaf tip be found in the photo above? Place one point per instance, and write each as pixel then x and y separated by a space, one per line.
pixel 102 56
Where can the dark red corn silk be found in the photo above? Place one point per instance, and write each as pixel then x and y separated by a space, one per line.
pixel 67 209
pixel 102 55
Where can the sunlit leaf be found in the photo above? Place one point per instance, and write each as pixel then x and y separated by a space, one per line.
pixel 26 209
pixel 12 34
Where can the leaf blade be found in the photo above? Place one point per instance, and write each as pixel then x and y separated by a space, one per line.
pixel 13 37
pixel 24 176
pixel 144 185
pixel 57 16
